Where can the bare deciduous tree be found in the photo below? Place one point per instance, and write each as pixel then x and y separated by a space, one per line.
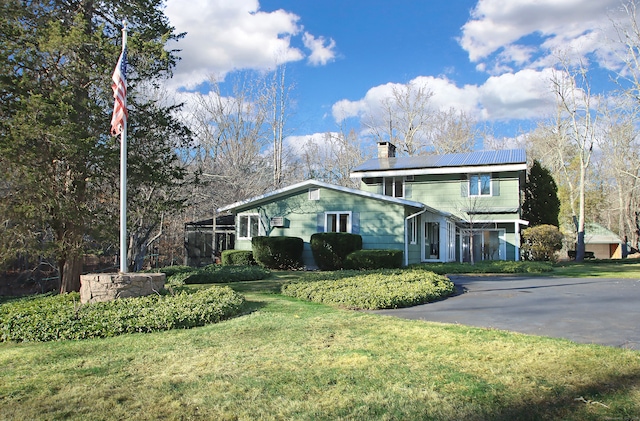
pixel 403 118
pixel 620 166
pixel 407 119
pixel 577 121
pixel 332 157
pixel 276 100
pixel 452 131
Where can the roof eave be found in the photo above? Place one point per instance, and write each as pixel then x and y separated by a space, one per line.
pixel 320 184
pixel 439 170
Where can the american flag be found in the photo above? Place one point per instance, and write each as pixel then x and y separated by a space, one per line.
pixel 119 87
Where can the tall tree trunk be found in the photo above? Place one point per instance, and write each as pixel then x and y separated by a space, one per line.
pixel 580 248
pixel 70 273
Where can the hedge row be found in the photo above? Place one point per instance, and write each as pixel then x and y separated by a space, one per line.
pixel 59 317
pixel 216 274
pixel 237 258
pixel 374 259
pixel 373 290
pixel 282 252
pixel 330 249
pixel 493 266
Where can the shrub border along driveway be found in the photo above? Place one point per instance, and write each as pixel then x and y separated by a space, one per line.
pixel 601 311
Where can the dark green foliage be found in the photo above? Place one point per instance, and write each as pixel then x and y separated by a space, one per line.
pixel 541 203
pixel 278 252
pixel 172 270
pixel 330 249
pixel 541 242
pixel 492 266
pixel 217 274
pixel 374 259
pixel 60 165
pixel 373 290
pixel 237 258
pixel 59 317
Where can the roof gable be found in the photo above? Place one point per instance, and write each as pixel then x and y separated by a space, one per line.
pixel 298 187
pixel 595 233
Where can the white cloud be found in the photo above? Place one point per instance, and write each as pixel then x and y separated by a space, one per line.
pixel 322 50
pixel 521 95
pixel 223 36
pixel 297 145
pixel 445 95
pixel 504 31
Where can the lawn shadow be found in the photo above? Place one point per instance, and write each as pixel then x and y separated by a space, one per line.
pixel 251 306
pixel 611 399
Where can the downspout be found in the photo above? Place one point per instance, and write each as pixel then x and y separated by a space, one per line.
pixel 406 234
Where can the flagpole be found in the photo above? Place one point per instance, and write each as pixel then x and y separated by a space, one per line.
pixel 123 178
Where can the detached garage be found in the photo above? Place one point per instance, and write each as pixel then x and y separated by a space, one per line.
pixel 603 243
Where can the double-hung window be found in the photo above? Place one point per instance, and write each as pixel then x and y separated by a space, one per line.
pixel 480 185
pixel 337 222
pixel 393 186
pixel 248 226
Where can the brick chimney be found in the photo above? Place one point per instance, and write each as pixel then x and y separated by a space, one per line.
pixel 386 150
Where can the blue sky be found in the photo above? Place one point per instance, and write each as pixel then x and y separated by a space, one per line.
pixel 490 58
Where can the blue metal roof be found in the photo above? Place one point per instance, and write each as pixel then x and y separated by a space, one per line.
pixel 477 158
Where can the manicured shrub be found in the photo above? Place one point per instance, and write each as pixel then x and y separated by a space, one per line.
pixel 278 252
pixel 330 249
pixel 373 290
pixel 374 259
pixel 59 317
pixel 237 257
pixel 216 274
pixel 540 243
pixel 491 266
pixel 172 270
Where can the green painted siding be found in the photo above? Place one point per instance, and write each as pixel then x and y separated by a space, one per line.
pixel 381 224
pixel 445 192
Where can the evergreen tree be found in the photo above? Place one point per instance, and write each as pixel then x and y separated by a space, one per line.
pixel 541 204
pixel 59 164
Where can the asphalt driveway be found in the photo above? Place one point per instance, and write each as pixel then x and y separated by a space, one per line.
pixel 594 310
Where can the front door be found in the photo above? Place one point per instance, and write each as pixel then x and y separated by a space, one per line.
pixel 431 249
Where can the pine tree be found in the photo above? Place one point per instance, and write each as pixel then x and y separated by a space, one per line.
pixel 59 164
pixel 541 204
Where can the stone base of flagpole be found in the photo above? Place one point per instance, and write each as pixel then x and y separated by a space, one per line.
pixel 96 287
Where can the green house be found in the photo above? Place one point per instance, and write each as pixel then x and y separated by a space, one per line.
pixel 438 208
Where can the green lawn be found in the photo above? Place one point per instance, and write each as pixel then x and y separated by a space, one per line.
pixel 288 359
pixel 627 268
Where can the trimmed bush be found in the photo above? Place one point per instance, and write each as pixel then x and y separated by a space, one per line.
pixel 217 274
pixel 237 257
pixel 59 317
pixel 540 243
pixel 374 259
pixel 172 270
pixel 492 266
pixel 373 290
pixel 278 252
pixel 330 249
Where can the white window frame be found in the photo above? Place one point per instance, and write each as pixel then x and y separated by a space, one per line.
pixel 394 185
pixel 451 230
pixel 413 230
pixel 479 184
pixel 338 214
pixel 250 216
pixel 314 194
pixel 502 241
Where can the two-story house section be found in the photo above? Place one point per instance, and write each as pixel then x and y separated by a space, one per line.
pixel 438 208
pixel 477 197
